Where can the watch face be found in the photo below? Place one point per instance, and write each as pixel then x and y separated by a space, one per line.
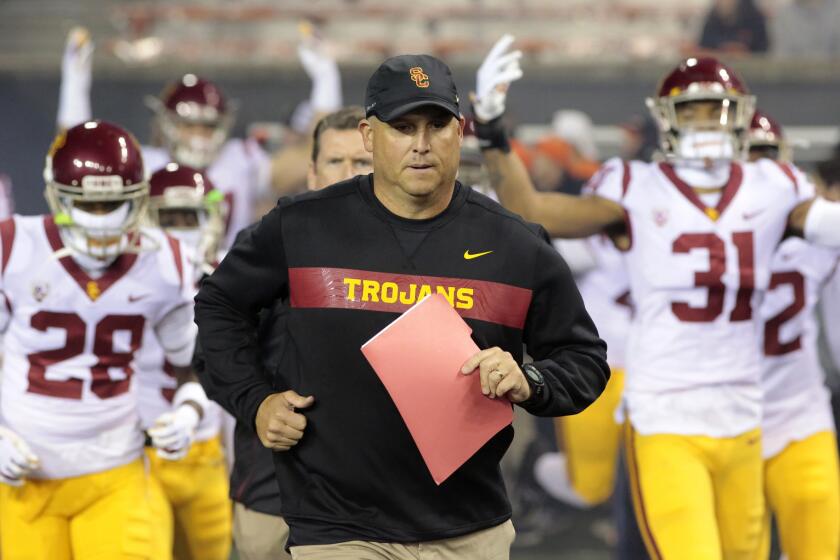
pixel 533 374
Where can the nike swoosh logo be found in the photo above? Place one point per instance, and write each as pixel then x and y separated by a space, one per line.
pixel 133 298
pixel 469 256
pixel 751 215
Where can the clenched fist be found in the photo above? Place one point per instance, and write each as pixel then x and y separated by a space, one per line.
pixel 279 427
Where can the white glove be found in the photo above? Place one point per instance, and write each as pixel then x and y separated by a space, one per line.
pixel 174 432
pixel 320 66
pixel 16 458
pixel 76 72
pixel 495 74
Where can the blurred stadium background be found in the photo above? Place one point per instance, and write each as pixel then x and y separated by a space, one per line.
pixel 601 57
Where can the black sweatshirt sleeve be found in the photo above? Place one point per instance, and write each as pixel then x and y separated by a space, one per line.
pixel 563 341
pixel 251 277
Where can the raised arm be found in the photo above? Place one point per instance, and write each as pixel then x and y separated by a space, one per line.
pixel 562 215
pixel 76 71
pixel 289 165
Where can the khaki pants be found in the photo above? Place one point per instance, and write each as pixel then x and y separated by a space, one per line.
pixel 259 536
pixel 487 544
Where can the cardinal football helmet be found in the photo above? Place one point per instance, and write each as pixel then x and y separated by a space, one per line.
pixel 194 120
pixel 96 187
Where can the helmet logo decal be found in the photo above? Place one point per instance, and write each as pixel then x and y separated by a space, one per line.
pixel 420 78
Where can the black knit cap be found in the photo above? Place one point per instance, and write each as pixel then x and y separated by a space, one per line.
pixel 406 82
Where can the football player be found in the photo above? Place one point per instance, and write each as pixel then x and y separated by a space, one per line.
pixel 193 120
pixel 702 229
pixel 84 288
pixel 801 474
pixel 191 484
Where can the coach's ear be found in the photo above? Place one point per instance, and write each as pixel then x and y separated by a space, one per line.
pixel 366 129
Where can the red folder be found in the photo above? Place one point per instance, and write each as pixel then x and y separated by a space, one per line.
pixel 418 357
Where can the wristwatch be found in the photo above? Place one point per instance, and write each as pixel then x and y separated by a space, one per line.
pixel 535 380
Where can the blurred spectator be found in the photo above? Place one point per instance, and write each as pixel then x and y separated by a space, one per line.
pixel 557 165
pixel 575 127
pixel 735 26
pixel 525 152
pixel 807 29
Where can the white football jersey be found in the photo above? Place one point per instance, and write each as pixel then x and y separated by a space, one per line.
pixel 797 404
pixel 70 339
pixel 242 172
pixel 696 275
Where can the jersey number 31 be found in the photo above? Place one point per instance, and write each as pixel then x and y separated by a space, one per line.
pixel 712 279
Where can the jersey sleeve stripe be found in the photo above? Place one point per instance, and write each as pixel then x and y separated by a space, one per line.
pixel 7 235
pixel 789 172
pixel 176 253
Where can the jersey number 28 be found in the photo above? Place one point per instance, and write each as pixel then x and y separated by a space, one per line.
pixel 102 384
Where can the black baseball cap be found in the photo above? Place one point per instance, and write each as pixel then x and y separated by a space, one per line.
pixel 406 82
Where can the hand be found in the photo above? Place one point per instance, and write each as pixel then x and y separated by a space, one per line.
pixel 16 458
pixel 279 427
pixel 495 74
pixel 500 375
pixel 78 51
pixel 174 432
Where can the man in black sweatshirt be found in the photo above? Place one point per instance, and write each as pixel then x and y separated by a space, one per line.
pixel 349 259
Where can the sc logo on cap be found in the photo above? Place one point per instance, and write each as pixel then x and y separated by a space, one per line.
pixel 420 78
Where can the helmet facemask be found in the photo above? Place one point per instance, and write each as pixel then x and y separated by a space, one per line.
pixel 193 218
pixel 195 134
pixel 99 218
pixel 703 122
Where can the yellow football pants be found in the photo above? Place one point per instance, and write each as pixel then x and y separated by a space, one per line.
pixel 802 485
pixel 697 497
pixel 100 516
pixel 191 502
pixel 590 441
